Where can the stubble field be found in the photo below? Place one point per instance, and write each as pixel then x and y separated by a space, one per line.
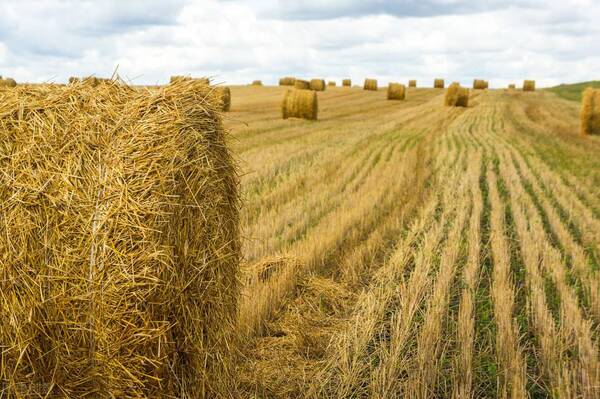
pixel 407 249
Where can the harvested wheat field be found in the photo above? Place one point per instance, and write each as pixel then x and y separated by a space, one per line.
pixel 407 249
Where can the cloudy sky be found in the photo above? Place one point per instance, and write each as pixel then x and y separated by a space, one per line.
pixel 236 41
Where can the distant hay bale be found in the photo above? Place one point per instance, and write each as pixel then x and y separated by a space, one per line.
pixel 317 84
pixel 412 83
pixel 512 86
pixel 74 79
pixel 457 96
pixel 479 84
pixel 257 83
pixel 347 82
pixel 287 81
pixel 7 82
pixel 529 85
pixel 224 94
pixel 331 83
pixel 439 84
pixel 370 84
pixel 590 112
pixel 302 84
pixel 396 91
pixel 300 104
pixel 122 217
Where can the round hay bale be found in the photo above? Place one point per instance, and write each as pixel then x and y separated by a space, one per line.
pixel 512 86
pixel 302 84
pixel 590 112
pixel 479 84
pixel 300 104
pixel 529 85
pixel 347 82
pixel 331 83
pixel 456 96
pixel 287 81
pixel 412 83
pixel 133 247
pixel 439 84
pixel 317 84
pixel 257 83
pixel 7 82
pixel 73 80
pixel 370 84
pixel 396 91
pixel 224 98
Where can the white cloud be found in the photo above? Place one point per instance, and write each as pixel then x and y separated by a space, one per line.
pixel 236 41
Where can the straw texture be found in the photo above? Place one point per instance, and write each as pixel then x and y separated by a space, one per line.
pixel 590 112
pixel 300 104
pixel 457 96
pixel 120 242
pixel 439 84
pixel 370 84
pixel 396 91
pixel 317 84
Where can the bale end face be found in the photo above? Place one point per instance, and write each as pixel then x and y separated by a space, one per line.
pixel 529 85
pixel 456 96
pixel 396 91
pixel 439 84
pixel 370 84
pixel 590 112
pixel 300 104
pixel 317 84
pixel 347 82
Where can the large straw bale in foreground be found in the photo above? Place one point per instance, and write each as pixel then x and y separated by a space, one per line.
pixel 7 82
pixel 529 85
pixel 590 112
pixel 370 84
pixel 439 84
pixel 178 79
pixel 302 84
pixel 396 91
pixel 412 83
pixel 457 96
pixel 317 84
pixel 347 82
pixel 120 242
pixel 224 95
pixel 300 104
pixel 287 81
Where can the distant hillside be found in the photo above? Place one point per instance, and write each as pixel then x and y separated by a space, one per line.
pixel 573 91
